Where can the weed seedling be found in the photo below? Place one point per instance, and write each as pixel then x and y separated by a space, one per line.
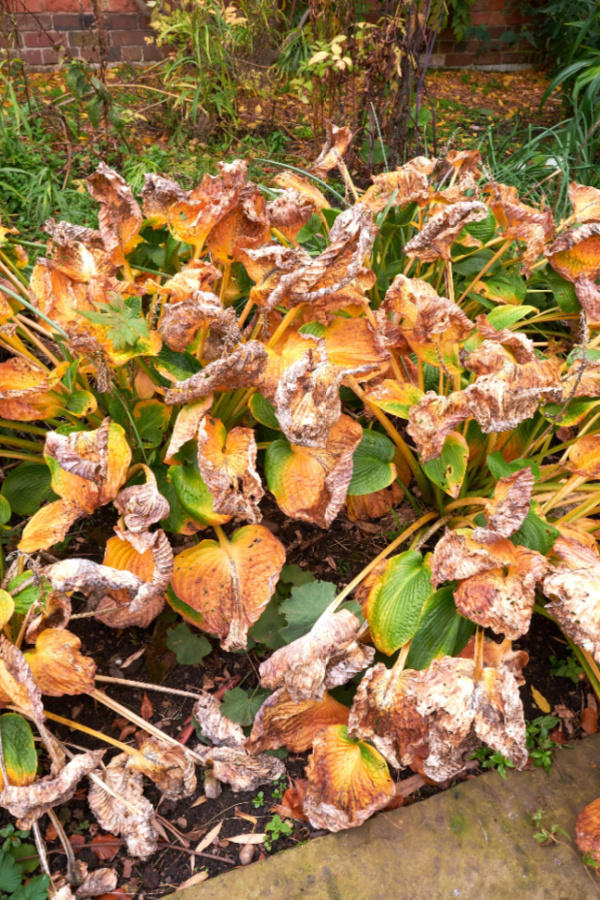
pixel 539 743
pixel 276 828
pixel 259 800
pixel 488 759
pixel 566 668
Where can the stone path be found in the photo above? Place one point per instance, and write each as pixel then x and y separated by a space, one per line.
pixel 473 842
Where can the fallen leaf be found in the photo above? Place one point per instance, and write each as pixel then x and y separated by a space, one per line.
pixel 195 879
pixel 208 839
pixel 106 846
pixel 242 815
pixel 247 839
pixel 589 720
pixel 540 701
pixel 198 802
pixel 147 708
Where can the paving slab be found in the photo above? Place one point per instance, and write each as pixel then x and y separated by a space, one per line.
pixel 473 842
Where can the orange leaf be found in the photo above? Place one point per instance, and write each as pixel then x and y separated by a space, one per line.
pixel 106 846
pixel 147 708
pixel 589 720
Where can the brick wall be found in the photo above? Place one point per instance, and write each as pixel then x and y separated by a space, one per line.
pixel 498 17
pixel 46 32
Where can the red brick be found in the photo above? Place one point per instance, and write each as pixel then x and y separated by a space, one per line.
pixel 488 18
pixel 121 22
pixel 35 6
pixel 152 53
pixel 68 6
pixel 488 5
pixel 32 57
pixel 516 56
pixel 82 38
pixel 49 57
pixel 131 54
pixel 41 38
pixel 124 38
pixel 459 59
pixel 26 22
pixel 121 6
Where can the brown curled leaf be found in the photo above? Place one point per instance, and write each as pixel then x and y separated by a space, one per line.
pixel 433 418
pixel 242 770
pixel 521 346
pixel 584 457
pixel 328 656
pixel 29 803
pixel 457 556
pixel 574 590
pixel 134 822
pixel 17 684
pixel 589 296
pixel 142 505
pixel 171 768
pixel 522 222
pixel 585 201
pixel 53 612
pixel 192 218
pixel 196 275
pixel 437 236
pixel 282 722
pixel 462 709
pixel 227 463
pixel 158 195
pixel 186 426
pixel 153 564
pixel 216 727
pixel 289 212
pixel 407 184
pixel 58 666
pixel 245 227
pixel 348 781
pixel 90 577
pixel 587 830
pixel 338 140
pixel 180 322
pixel 25 390
pixel 499 656
pixel 119 217
pixel 382 713
pixel 577 252
pixel 305 186
pixel 97 883
pixel 242 368
pixel 508 508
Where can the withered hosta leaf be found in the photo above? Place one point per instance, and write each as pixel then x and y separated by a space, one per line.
pixel 382 713
pixel 65 234
pixel 585 201
pixel 25 391
pixel 307 399
pixel 242 368
pixel 180 322
pixel 329 655
pixel 186 425
pixel 245 227
pixel 584 458
pixel 230 582
pixel 152 561
pixel 409 183
pixel 283 722
pixel 29 803
pixel 501 405
pixel 457 556
pixel 502 598
pixel 460 711
pixel 348 781
pixel 574 589
pixel 53 612
pixel 499 656
pixel 158 195
pixel 58 666
pixel 191 219
pixel 338 140
pixel 311 483
pixel 577 252
pixel 289 212
pixel 587 830
pixel 119 217
pixel 461 161
pixel 142 505
pixel 90 577
pixel 97 883
pixel 522 222
pixel 589 296
pixel 242 770
pixel 508 508
pixel 216 727
pixel 227 463
pixel 17 684
pixel 267 266
pixel 433 418
pixel 49 525
pixel 171 768
pixel 423 312
pixel 438 235
pixel 196 275
pixel 521 346
pixel 289 179
pixel 135 827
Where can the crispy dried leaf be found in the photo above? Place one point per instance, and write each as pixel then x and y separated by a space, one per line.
pixel 585 201
pixel 180 322
pixel 142 505
pixel 338 140
pixel 311 483
pixel 227 463
pixel 98 882
pixel 460 711
pixel 90 577
pixel 423 313
pixel 136 827
pixel 574 588
pixel 230 582
pixel 348 781
pixel 25 390
pixel 119 217
pixel 30 802
pixel 522 222
pixel 54 612
pixel 186 425
pixel 242 368
pixel 242 770
pixel 508 508
pixel 407 184
pixel 289 179
pixel 382 713
pixel 438 235
pixel 216 727
pixel 577 252
pixel 245 227
pixel 289 212
pixel 58 666
pixel 191 219
pixel 457 556
pixel 587 830
pixel 433 418
pixel 171 768
pixel 329 655
pixel 153 564
pixel 17 684
pixel 283 722
pixel 584 456
pixel 158 195
pixel 589 296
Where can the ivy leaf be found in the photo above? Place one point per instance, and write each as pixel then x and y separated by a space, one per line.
pixel 189 648
pixel 124 320
pixel 241 707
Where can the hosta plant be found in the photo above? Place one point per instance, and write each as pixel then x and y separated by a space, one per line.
pixel 431 341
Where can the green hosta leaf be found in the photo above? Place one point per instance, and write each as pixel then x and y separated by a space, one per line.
pixel 535 534
pixel 442 631
pixel 27 487
pixel 193 494
pixel 502 469
pixel 474 264
pixel 449 470
pixel 484 231
pixel 373 467
pixel 18 746
pixel 241 707
pixel 186 612
pixel 395 603
pixel 314 328
pixel 563 291
pixel 81 403
pixel 189 648
pixel 151 420
pixel 573 414
pixel 181 365
pixel 505 287
pixel 396 398
pixel 24 599
pixel 177 515
pixel 506 316
pixel 5 510
pixel 304 607
pixel 264 411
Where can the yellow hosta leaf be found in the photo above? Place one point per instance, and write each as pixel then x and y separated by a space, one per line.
pixel 58 666
pixel 7 608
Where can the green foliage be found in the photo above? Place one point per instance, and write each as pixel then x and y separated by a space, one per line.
pixel 189 648
pixel 15 868
pixel 566 668
pixel 539 743
pixel 123 319
pixel 490 759
pixel 27 486
pixel 276 829
pixel 241 706
pixel 372 464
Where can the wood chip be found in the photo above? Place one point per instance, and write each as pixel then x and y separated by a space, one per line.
pixel 247 839
pixel 195 879
pixel 409 785
pixel 209 838
pixel 133 658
